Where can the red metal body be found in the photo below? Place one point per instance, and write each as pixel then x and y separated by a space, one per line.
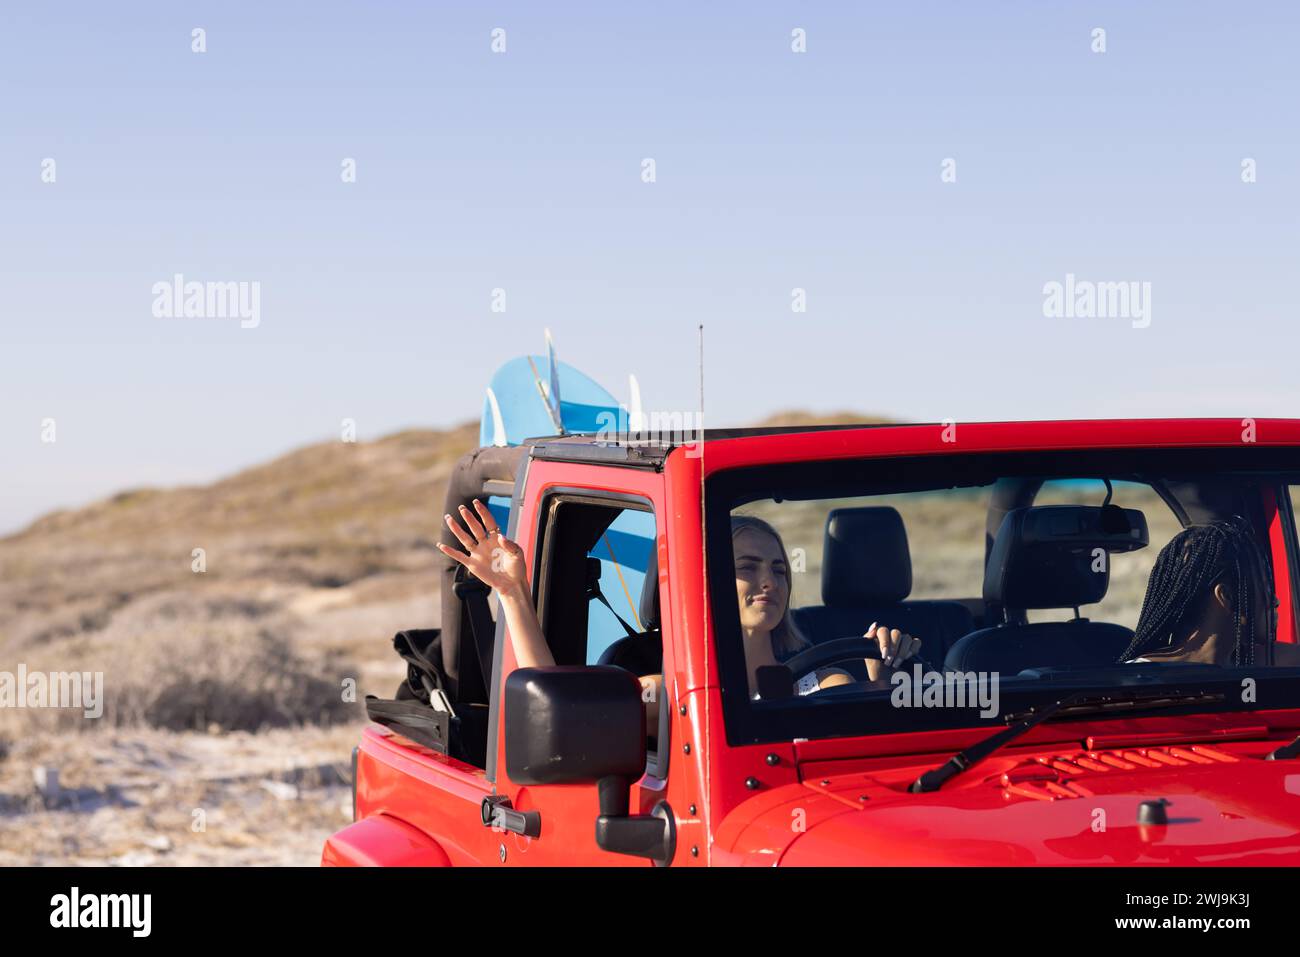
pixel 1066 793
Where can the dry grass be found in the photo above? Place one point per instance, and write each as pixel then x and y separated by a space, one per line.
pixel 313 561
pixel 328 532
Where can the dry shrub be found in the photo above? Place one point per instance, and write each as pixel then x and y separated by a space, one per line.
pixel 232 678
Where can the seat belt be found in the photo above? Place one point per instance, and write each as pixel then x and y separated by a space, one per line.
pixel 593 591
pixel 474 598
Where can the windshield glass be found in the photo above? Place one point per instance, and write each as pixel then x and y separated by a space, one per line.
pixel 876 596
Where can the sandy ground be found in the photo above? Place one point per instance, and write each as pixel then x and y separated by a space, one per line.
pixel 158 798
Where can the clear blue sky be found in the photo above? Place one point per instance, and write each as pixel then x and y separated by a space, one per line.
pixel 521 170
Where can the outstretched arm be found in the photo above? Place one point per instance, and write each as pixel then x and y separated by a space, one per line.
pixel 499 563
pixel 531 650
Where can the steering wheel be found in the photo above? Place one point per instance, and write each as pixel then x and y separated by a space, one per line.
pixel 837 649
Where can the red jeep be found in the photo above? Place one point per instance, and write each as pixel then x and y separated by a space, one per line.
pixel 1028 730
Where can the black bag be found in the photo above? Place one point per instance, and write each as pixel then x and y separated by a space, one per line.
pixel 423 711
pixel 421 649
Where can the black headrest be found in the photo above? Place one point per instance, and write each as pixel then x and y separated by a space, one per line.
pixel 649 610
pixel 865 560
pixel 1048 556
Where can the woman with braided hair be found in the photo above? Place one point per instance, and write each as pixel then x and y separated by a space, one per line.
pixel 1210 600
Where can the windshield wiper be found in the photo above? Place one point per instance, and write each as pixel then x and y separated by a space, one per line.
pixel 1286 751
pixel 1081 702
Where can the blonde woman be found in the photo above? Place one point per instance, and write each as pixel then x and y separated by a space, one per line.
pixel 762 588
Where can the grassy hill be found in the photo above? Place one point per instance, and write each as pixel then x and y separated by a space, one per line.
pixel 306 561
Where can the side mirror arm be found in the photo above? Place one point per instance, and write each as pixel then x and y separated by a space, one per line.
pixel 652 835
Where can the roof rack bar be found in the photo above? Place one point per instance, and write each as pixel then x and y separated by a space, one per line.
pixel 626 456
pixel 499 488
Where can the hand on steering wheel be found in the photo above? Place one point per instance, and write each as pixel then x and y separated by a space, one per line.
pixel 873 647
pixel 895 646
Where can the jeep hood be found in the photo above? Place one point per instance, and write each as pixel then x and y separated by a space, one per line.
pixel 1074 809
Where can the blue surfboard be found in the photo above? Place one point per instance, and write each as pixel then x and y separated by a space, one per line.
pixel 514 409
pixel 534 396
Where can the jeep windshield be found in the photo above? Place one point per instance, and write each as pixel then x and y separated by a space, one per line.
pixel 1011 578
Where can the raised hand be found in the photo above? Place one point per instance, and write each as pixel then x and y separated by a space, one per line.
pixel 494 559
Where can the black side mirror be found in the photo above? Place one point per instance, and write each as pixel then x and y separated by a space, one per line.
pixel 570 724
pixel 576 724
